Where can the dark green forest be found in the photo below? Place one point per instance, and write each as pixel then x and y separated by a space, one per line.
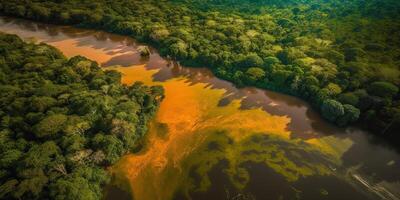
pixel 341 56
pixel 63 121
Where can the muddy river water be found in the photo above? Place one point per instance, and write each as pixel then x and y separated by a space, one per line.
pixel 211 140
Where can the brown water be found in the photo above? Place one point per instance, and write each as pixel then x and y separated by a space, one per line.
pixel 211 140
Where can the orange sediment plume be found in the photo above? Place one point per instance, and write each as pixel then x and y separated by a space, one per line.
pixel 190 113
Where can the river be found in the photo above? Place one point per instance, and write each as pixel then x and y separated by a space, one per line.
pixel 211 140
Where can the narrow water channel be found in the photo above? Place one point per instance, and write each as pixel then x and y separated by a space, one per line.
pixel 211 140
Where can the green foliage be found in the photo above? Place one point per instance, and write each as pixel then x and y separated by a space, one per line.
pixel 62 122
pixel 251 60
pixel 289 55
pixel 74 188
pixel 351 114
pixel 341 114
pixel 332 110
pixel 9 158
pixel 333 89
pixel 255 73
pixel 383 89
pixel 50 125
pixel 349 98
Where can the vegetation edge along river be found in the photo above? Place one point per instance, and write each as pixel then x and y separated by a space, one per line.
pixel 202 121
pixel 63 121
pixel 342 57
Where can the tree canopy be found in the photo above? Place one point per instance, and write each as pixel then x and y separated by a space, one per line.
pixel 58 128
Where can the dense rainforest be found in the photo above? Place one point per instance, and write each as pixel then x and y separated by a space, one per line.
pixel 341 56
pixel 63 121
